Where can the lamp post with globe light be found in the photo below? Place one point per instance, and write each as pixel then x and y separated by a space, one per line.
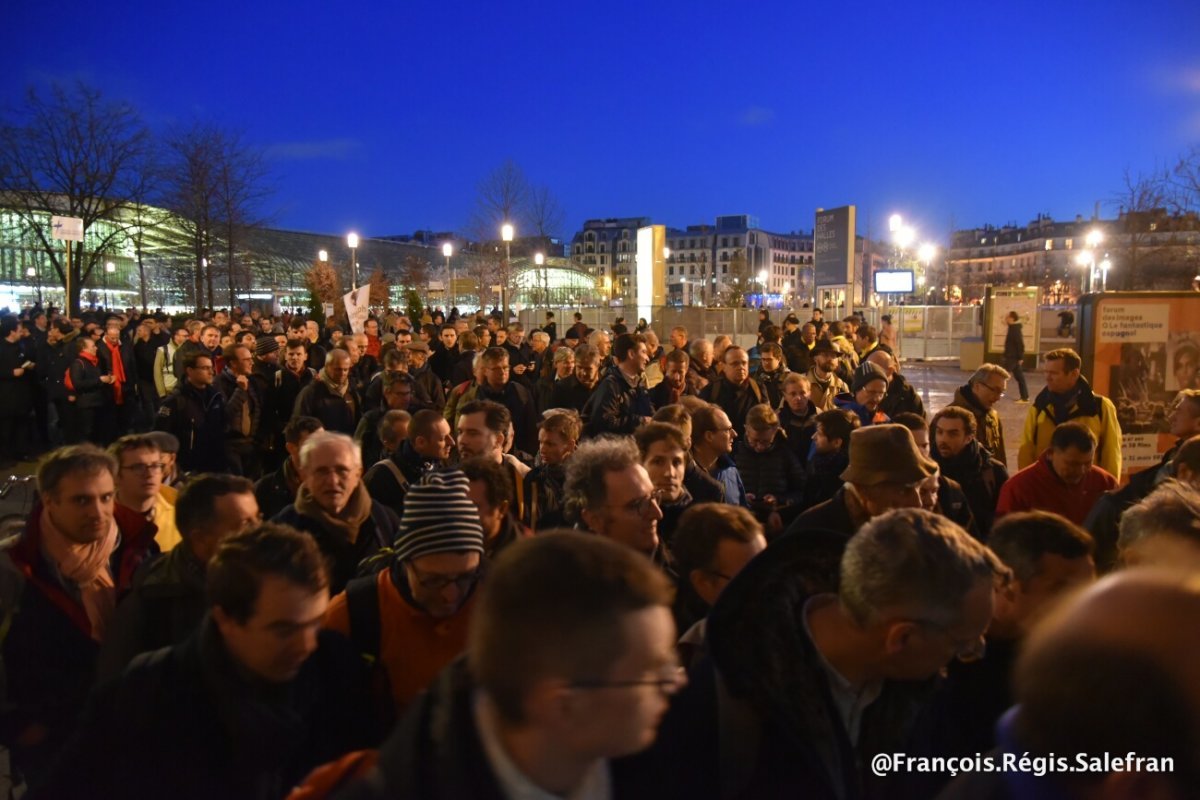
pixel 447 251
pixel 33 273
pixel 506 233
pixel 540 261
pixel 352 243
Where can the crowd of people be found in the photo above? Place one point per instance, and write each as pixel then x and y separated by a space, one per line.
pixel 449 558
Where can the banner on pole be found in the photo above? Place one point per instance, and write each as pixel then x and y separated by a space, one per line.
pixel 358 308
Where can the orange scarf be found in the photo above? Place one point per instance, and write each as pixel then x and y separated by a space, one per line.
pixel 118 371
pixel 85 565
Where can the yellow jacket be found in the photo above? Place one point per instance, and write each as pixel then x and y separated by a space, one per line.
pixel 1094 410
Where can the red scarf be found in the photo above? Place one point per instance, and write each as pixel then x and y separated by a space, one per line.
pixel 118 371
pixel 91 358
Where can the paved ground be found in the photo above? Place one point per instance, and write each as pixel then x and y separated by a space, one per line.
pixel 936 382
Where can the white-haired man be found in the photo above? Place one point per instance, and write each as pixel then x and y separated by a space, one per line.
pixel 333 506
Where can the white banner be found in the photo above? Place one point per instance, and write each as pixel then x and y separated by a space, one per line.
pixel 67 228
pixel 358 308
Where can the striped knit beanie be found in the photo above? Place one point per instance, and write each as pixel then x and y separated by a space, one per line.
pixel 439 517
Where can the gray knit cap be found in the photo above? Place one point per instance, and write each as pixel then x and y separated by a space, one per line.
pixel 439 517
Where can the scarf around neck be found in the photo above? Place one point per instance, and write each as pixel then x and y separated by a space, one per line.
pixel 86 566
pixel 346 522
pixel 118 371
pixel 339 389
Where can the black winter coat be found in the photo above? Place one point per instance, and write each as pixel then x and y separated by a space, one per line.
pixel 1014 344
pixel 901 397
pixel 15 398
pixel 343 556
pixel 337 413
pixel 615 406
pixel 197 419
pixel 980 476
pixel 184 723
pixel 757 718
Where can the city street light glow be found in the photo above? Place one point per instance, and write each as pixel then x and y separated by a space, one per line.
pixel 111 267
pixel 1083 258
pixel 322 255
pixel 1094 238
pixel 447 249
pixel 352 240
pixel 904 236
pixel 927 252
pixel 506 232
pixel 539 259
pixel 31 272
pixel 895 222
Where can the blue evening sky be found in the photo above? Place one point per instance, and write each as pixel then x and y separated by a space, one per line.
pixel 382 117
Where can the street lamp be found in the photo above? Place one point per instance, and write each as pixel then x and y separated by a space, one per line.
pixel 1087 260
pixel 540 261
pixel 506 233
pixel 447 251
pixel 1105 266
pixel 33 273
pixel 109 268
pixel 352 242
pixel 322 255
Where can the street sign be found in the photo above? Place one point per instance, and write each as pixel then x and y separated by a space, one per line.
pixel 833 247
pixel 67 228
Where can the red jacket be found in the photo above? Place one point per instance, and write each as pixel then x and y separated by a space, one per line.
pixel 1037 488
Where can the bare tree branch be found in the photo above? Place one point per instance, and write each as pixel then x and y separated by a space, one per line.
pixel 71 152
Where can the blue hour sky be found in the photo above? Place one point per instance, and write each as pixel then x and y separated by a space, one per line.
pixel 383 117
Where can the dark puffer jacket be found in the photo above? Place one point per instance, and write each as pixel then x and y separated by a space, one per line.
pixel 774 472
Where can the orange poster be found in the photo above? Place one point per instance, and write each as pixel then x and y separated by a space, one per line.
pixel 1140 349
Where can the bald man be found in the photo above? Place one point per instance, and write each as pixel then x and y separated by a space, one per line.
pixel 1111 673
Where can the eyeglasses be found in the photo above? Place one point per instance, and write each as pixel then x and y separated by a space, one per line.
pixel 998 392
pixel 436 583
pixel 143 469
pixel 671 679
pixel 967 653
pixel 642 505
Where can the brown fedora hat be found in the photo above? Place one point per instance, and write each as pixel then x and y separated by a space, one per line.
pixel 886 454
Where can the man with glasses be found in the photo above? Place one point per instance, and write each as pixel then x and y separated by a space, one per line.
pixel 195 415
pixel 610 494
pixel 735 392
pixel 715 542
pixel 571 664
pixel 979 396
pixel 411 618
pixel 139 479
pixel 167 601
pixel 1049 558
pixel 868 387
pixel 858 629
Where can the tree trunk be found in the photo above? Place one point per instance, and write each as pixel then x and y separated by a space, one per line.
pixel 141 274
pixel 229 271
